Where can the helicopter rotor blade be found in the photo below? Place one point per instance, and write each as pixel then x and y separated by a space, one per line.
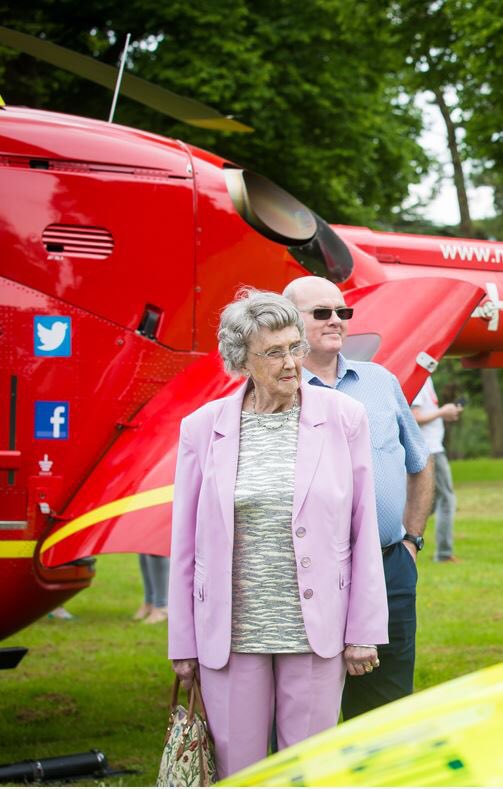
pixel 165 101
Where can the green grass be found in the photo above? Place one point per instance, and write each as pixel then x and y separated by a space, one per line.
pixel 99 681
pixel 460 616
pixel 102 681
pixel 480 470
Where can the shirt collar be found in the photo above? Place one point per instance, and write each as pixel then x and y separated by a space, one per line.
pixel 344 366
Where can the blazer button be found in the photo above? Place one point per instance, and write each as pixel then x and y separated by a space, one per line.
pixel 308 593
pixel 300 532
pixel 305 561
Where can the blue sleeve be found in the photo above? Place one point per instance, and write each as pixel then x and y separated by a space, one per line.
pixel 416 451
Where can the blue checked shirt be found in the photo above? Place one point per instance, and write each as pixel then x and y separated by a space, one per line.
pixel 397 444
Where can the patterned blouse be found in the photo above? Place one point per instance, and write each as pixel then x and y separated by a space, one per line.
pixel 266 613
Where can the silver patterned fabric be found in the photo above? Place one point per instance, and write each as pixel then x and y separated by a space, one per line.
pixel 266 613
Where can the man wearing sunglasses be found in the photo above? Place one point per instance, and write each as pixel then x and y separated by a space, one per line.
pixel 403 481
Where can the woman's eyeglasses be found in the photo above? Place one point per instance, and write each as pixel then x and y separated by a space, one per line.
pixel 297 351
pixel 324 313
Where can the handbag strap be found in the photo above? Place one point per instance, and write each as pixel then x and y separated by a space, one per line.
pixel 195 697
pixel 174 694
pixel 198 696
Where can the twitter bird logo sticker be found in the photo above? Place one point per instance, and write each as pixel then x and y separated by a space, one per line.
pixel 52 335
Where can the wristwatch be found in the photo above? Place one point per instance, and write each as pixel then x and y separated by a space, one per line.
pixel 417 541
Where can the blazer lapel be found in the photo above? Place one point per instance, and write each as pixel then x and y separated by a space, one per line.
pixel 309 444
pixel 225 454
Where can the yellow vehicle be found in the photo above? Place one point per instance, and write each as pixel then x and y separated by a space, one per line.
pixel 449 735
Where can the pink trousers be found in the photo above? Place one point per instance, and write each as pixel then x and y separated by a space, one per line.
pixel 240 700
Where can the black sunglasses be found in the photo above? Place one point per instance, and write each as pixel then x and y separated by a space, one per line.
pixel 324 313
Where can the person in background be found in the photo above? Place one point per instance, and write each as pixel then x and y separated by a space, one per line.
pixel 430 418
pixel 276 584
pixel 155 574
pixel 403 481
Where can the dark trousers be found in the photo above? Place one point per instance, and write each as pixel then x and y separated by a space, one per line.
pixel 394 677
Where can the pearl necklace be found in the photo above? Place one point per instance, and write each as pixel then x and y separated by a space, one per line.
pixel 279 425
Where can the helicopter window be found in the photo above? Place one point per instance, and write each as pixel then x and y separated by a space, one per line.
pixel 270 210
pixel 361 347
pixel 78 241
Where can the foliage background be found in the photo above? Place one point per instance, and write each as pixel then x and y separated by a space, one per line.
pixel 317 81
pixel 469 437
pixel 328 86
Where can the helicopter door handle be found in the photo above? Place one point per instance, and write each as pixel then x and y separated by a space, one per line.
pixel 127 425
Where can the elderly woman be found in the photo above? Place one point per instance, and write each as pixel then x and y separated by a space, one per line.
pixel 277 583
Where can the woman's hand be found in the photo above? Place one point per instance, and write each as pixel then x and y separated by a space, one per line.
pixel 185 671
pixel 360 660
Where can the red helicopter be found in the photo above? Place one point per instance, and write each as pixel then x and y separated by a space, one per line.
pixel 119 249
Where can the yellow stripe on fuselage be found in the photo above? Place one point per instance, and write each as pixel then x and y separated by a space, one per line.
pixel 139 501
pixel 17 549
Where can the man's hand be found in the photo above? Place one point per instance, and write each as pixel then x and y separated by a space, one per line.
pixel 185 671
pixel 411 548
pixel 360 660
pixel 450 412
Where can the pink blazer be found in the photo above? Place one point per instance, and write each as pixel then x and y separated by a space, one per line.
pixel 342 592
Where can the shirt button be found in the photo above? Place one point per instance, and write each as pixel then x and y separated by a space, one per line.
pixel 308 593
pixel 305 561
pixel 300 532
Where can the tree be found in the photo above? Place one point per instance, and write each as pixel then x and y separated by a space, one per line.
pixel 433 45
pixel 478 28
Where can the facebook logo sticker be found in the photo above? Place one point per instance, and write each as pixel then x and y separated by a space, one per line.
pixel 52 419
pixel 52 335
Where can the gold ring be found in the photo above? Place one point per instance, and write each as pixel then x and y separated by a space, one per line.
pixel 368 668
pixel 377 663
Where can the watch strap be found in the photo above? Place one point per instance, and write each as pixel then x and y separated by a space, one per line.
pixel 416 539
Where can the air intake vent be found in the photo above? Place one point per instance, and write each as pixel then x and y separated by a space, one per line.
pixel 77 241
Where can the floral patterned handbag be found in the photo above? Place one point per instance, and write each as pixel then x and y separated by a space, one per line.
pixel 188 757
